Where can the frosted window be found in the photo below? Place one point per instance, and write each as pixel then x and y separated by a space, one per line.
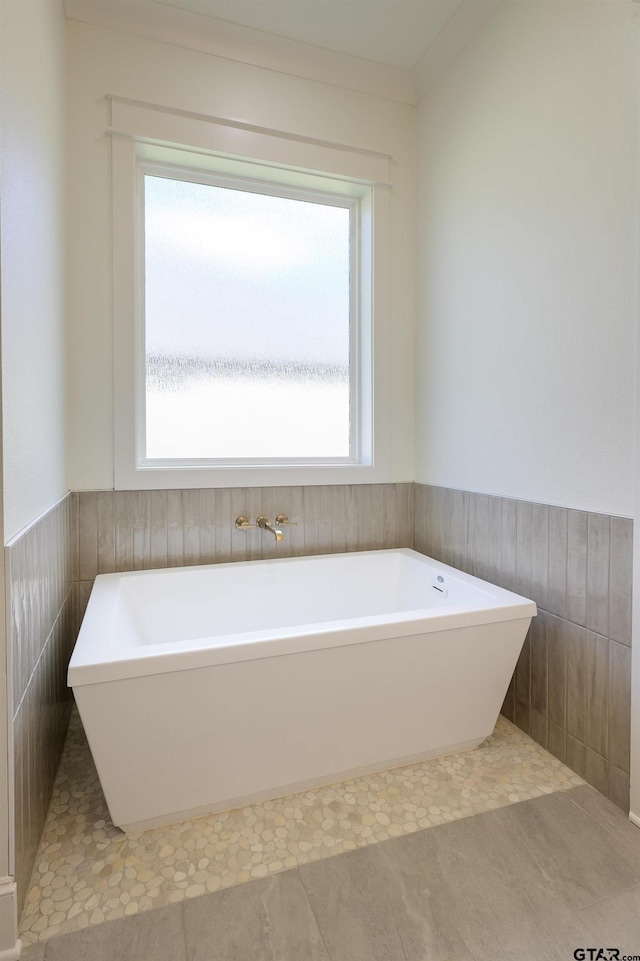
pixel 247 324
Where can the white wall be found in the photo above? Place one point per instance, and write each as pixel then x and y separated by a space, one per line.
pixel 33 313
pixel 104 61
pixel 33 258
pixel 527 258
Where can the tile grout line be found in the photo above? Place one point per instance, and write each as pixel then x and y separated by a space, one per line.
pixel 603 824
pixel 183 927
pixel 610 897
pixel 313 913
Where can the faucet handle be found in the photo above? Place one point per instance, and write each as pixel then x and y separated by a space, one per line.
pixel 242 523
pixel 283 521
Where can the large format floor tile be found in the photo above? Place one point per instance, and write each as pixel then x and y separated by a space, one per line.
pixel 156 936
pixel 517 924
pixel 88 872
pixel 607 814
pixel 515 884
pixel 378 904
pixel 616 921
pixel 578 859
pixel 268 920
pixel 440 895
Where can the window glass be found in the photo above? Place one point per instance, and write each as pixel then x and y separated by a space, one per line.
pixel 247 324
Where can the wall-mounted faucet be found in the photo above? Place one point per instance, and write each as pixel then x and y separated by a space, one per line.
pixel 263 522
pixel 242 524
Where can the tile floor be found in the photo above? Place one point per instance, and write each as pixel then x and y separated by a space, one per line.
pixel 533 881
pixel 88 872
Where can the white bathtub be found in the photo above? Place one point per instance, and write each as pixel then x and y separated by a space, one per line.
pixel 204 688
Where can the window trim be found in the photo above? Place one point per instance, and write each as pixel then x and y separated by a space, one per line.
pixel 131 153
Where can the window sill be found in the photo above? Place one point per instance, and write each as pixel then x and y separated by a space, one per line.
pixel 164 478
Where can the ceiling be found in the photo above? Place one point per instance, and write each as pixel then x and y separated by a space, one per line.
pixel 396 49
pixel 392 32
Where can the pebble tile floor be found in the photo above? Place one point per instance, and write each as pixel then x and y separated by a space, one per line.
pixel 550 879
pixel 88 872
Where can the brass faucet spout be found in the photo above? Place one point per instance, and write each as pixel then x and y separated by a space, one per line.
pixel 263 522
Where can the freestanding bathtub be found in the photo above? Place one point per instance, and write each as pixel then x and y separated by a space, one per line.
pixel 204 688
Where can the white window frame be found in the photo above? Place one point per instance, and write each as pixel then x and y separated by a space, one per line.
pixel 360 340
pixel 197 149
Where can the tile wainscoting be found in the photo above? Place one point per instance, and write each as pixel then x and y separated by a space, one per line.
pixel 571 691
pixel 43 627
pixel 139 530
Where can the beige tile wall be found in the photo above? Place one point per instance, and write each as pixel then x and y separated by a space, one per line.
pixel 138 530
pixel 40 576
pixel 572 688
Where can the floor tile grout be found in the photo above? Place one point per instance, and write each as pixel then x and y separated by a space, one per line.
pixel 183 927
pixel 315 917
pixel 598 820
pixel 609 897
